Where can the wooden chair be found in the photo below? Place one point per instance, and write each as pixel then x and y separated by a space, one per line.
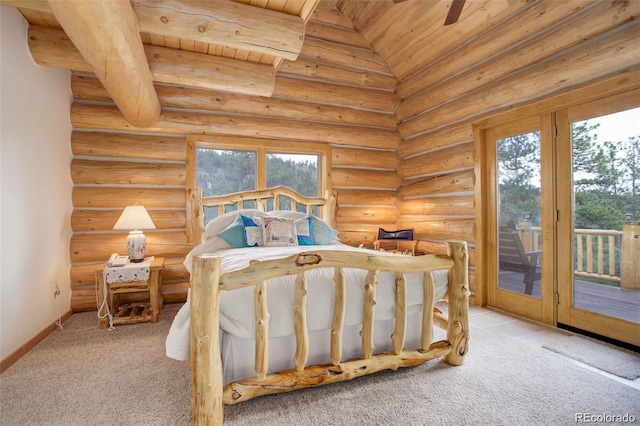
pixel 513 257
pixel 402 246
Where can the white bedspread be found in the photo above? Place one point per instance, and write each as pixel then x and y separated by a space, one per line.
pixel 237 307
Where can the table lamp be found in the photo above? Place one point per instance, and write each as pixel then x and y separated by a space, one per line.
pixel 135 219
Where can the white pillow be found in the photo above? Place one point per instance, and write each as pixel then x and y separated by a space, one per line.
pixel 287 214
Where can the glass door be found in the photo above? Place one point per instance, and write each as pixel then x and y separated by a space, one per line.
pixel 519 243
pixel 516 229
pixel 599 204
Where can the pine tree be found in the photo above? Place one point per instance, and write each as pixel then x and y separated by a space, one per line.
pixel 519 163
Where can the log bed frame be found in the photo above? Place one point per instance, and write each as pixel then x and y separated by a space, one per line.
pixel 208 393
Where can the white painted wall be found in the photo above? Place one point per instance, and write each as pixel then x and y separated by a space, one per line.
pixel 35 182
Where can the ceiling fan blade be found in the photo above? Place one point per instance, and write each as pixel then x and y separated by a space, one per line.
pixel 454 12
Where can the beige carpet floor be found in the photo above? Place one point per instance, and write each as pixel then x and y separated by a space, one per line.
pixel 86 376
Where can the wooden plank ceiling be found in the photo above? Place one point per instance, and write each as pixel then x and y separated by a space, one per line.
pixel 234 46
pixel 411 34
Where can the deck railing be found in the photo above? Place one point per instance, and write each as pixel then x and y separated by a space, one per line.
pixel 600 254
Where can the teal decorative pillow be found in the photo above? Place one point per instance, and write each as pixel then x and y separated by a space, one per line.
pixel 303 229
pixel 234 233
pixel 322 233
pixel 252 231
pixel 220 223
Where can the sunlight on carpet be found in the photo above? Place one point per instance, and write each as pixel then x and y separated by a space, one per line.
pixel 603 356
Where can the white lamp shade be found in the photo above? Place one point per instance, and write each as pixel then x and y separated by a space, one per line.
pixel 134 217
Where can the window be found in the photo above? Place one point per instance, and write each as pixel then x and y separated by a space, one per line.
pixel 222 165
pixel 222 172
pixel 297 171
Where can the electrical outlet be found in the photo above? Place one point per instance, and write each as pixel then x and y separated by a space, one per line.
pixel 56 292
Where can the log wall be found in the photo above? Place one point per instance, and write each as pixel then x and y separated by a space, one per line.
pixel 402 152
pixel 335 93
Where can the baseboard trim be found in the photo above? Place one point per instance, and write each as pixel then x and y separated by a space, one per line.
pixel 21 351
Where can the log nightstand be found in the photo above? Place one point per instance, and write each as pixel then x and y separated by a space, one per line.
pixel 130 313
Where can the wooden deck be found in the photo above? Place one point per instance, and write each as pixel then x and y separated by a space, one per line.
pixel 603 299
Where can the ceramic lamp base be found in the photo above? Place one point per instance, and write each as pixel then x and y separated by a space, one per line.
pixel 136 244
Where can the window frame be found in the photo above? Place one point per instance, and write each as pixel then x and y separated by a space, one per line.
pixel 261 147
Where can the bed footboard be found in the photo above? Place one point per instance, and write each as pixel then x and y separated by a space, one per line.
pixel 206 362
pixel 208 394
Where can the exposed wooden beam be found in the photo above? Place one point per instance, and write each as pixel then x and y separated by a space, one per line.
pixel 39 5
pixel 183 68
pixel 225 23
pixel 107 35
pixel 220 22
pixel 52 47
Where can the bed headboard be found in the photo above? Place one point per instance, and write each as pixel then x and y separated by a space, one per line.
pixel 196 203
